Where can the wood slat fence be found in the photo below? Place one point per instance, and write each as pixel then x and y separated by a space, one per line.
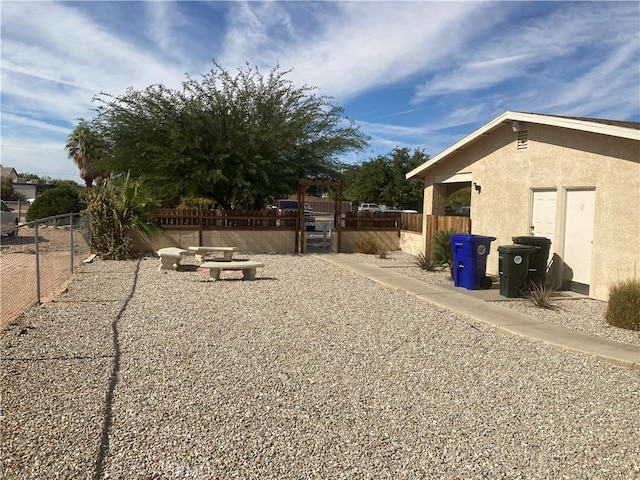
pixel 411 222
pixel 436 223
pixel 179 218
pixel 203 219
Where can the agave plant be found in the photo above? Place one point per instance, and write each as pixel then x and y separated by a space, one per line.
pixel 424 261
pixel 441 248
pixel 541 295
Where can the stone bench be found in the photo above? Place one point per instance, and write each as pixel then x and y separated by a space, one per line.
pixel 170 257
pixel 200 252
pixel 248 268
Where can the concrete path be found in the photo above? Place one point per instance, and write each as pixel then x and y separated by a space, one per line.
pixel 474 305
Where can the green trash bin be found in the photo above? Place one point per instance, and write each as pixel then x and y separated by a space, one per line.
pixel 537 259
pixel 513 267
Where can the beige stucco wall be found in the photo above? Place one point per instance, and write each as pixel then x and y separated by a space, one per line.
pixel 388 240
pixel 559 159
pixel 412 242
pixel 247 241
pixel 268 241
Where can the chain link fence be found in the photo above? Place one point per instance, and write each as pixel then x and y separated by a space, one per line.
pixel 37 259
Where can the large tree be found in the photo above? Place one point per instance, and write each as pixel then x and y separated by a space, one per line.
pixel 236 139
pixel 382 179
pixel 86 147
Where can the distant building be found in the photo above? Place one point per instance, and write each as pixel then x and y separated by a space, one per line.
pixel 8 172
pixel 31 188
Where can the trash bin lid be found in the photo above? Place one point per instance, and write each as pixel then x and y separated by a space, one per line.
pixel 461 237
pixel 517 249
pixel 470 237
pixel 528 240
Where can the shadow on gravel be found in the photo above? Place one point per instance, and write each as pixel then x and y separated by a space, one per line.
pixel 113 381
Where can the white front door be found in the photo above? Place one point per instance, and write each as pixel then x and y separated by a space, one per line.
pixel 543 214
pixel 578 234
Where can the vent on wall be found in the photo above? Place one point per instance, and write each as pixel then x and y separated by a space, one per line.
pixel 523 138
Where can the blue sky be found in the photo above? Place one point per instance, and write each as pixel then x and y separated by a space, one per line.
pixel 411 74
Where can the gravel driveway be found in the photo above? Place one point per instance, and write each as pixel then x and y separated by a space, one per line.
pixel 308 372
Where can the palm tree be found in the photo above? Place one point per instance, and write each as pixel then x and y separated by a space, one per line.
pixel 85 147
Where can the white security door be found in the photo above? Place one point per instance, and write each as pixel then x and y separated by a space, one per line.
pixel 543 214
pixel 578 234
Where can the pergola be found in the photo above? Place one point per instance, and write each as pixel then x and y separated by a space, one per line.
pixel 303 185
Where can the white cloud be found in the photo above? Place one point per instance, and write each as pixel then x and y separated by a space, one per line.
pixel 163 19
pixel 549 43
pixel 57 58
pixel 358 46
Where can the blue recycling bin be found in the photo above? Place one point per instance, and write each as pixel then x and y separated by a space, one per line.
pixel 470 260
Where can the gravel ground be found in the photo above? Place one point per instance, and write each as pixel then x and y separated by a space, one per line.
pixel 582 315
pixel 308 372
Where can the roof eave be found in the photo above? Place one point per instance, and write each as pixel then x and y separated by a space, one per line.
pixel 561 122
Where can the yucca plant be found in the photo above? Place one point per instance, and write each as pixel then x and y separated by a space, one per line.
pixel 541 295
pixel 441 248
pixel 424 261
pixel 119 207
pixel 623 308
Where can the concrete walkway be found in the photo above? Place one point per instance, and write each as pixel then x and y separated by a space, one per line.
pixel 474 304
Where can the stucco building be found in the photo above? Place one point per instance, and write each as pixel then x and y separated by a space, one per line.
pixel 573 180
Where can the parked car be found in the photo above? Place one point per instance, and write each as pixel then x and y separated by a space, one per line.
pixel 9 220
pixel 459 211
pixel 285 205
pixel 369 207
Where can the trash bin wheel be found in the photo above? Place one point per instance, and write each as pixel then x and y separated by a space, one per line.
pixel 486 283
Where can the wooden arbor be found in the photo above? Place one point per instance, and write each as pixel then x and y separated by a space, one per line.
pixel 303 185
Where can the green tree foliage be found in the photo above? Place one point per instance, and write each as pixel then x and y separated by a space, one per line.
pixel 8 193
pixel 57 201
pixel 119 207
pixel 236 139
pixel 87 147
pixel 459 198
pixel 382 180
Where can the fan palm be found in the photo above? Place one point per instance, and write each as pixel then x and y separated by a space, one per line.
pixel 85 147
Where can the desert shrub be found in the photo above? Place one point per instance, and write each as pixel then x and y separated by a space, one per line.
pixel 368 245
pixel 541 295
pixel 382 253
pixel 441 247
pixel 623 308
pixel 63 199
pixel 424 261
pixel 119 207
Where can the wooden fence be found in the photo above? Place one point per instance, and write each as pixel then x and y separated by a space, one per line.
pixel 411 222
pixel 436 223
pixel 372 220
pixel 203 219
